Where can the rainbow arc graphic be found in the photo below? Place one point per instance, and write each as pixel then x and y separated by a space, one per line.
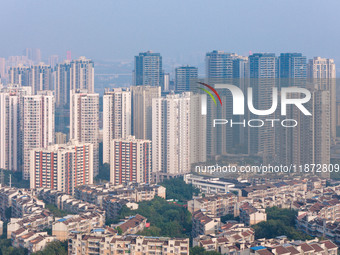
pixel 209 93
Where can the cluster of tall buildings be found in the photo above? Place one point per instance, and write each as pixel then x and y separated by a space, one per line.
pixel 30 103
pixel 151 130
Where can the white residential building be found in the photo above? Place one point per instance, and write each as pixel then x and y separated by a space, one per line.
pixel 10 142
pixel 116 118
pixel 38 125
pixel 178 134
pixel 142 110
pixel 82 74
pixel 171 135
pixel 84 121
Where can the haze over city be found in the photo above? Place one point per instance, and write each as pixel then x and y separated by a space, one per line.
pixel 182 31
pixel 169 127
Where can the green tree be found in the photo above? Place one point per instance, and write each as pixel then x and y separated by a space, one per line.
pixel 104 173
pixel 228 217
pixel 54 248
pixel 279 222
pixel 55 211
pixel 166 219
pixel 176 188
pixel 201 251
pixel 7 249
pixel 120 231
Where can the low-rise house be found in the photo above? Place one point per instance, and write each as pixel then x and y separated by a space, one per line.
pixel 130 244
pixel 62 228
pixel 6 194
pixel 132 225
pixel 25 204
pixel 250 215
pixel 36 221
pixel 32 240
pixel 135 192
pixel 204 224
pixel 113 205
pixel 231 237
pixel 216 205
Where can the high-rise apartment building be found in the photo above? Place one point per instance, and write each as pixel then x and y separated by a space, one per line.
pixel 53 60
pixel 292 66
pixel 62 166
pixel 185 76
pixel 142 110
pixel 322 72
pixel 3 74
pixel 321 68
pixel 148 69
pixel 130 160
pixel 219 65
pixel 19 75
pixel 10 128
pixel 262 73
pixel 62 83
pixel 38 125
pixel 84 121
pixel 116 118
pixel 240 67
pixel 40 78
pixel 82 74
pixel 33 54
pixel 171 127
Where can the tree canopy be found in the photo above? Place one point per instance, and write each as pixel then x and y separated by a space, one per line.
pixel 165 219
pixel 176 188
pixel 279 222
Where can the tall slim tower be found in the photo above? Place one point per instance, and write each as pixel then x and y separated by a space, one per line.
pixel 62 83
pixel 262 72
pixel 10 120
pixel 322 71
pixel 185 75
pixel 38 125
pixel 171 135
pixel 142 110
pixel 116 118
pixel 148 69
pixel 84 121
pixel 82 74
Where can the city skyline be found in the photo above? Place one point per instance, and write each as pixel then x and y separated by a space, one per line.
pixel 219 29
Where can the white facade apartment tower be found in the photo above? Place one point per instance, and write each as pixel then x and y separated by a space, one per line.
pixel 116 118
pixel 10 141
pixel 323 73
pixel 130 160
pixel 84 121
pixel 142 110
pixel 171 135
pixel 38 125
pixel 82 74
pixel 62 166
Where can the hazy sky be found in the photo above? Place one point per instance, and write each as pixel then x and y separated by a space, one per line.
pixel 182 30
